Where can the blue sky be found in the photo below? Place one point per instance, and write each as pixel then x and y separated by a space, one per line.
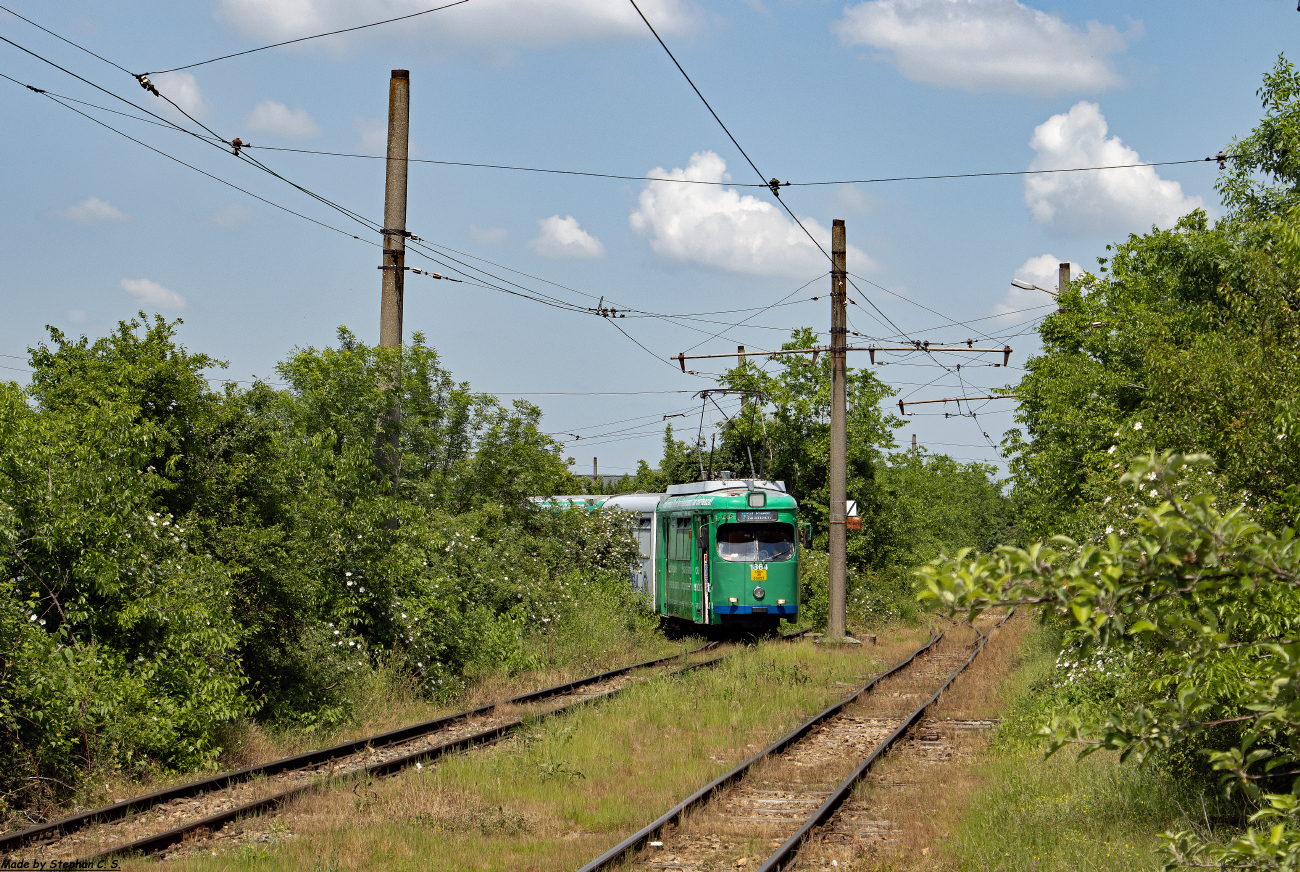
pixel 97 227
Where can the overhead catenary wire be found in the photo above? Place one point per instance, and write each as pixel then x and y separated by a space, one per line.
pixel 661 416
pixel 160 118
pixel 779 302
pixel 68 41
pixel 141 78
pixel 370 225
pixel 63 69
pixel 646 429
pixel 585 393
pixel 186 164
pixel 144 81
pixel 303 39
pixel 774 183
pixel 768 185
pixel 360 219
pixel 522 292
pixel 913 302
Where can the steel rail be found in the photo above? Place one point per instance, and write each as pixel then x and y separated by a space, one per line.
pixel 786 853
pixel 702 795
pixel 307 759
pixel 211 823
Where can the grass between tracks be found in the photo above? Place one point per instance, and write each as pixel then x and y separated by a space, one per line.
pixel 1030 813
pixel 1004 808
pixel 558 793
pixel 386 698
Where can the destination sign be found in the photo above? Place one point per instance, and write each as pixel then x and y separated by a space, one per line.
pixel 755 516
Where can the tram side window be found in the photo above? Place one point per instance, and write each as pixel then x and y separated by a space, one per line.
pixel 756 543
pixel 679 539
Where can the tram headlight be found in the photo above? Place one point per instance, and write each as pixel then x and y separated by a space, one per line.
pixel 759 593
pixel 757 500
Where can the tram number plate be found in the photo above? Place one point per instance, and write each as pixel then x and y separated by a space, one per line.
pixel 755 516
pixel 756 574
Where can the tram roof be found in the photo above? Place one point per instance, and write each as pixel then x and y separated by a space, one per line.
pixel 728 498
pixel 725 484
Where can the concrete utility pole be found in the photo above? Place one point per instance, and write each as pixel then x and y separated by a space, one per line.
pixel 835 625
pixel 1063 279
pixel 394 265
pixel 740 359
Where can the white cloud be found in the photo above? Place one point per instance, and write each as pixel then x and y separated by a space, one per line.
pixel 77 316
pixel 1104 201
pixel 563 238
pixel 483 23
pixel 183 90
pixel 987 45
pixel 231 216
pixel 719 227
pixel 93 210
pixel 147 292
pixel 489 235
pixel 278 119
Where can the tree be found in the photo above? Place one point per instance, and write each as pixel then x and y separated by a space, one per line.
pixel 787 433
pixel 1208 602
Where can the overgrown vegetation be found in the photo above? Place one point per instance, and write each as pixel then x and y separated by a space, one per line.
pixel 176 558
pixel 567 788
pixel 1177 575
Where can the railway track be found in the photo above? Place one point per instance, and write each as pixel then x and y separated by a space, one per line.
pixel 156 821
pixel 766 807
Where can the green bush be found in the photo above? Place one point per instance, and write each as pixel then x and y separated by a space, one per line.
pixel 174 558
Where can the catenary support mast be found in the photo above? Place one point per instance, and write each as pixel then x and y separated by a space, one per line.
pixel 393 268
pixel 835 625
pixel 394 265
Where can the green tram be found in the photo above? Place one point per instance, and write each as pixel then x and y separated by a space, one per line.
pixel 720 554
pixel 727 556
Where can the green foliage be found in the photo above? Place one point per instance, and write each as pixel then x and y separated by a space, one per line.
pixel 1184 349
pixel 1264 178
pixel 936 505
pixel 173 557
pixel 1187 339
pixel 1202 602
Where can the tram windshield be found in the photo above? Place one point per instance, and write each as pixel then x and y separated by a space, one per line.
pixel 756 543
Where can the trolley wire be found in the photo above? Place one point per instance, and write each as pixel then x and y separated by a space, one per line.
pixel 914 303
pixel 662 416
pixel 469 271
pixel 186 164
pixel 371 225
pixel 774 183
pixel 166 121
pixel 768 185
pixel 367 223
pixel 779 302
pixel 68 41
pixel 584 393
pixel 304 39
